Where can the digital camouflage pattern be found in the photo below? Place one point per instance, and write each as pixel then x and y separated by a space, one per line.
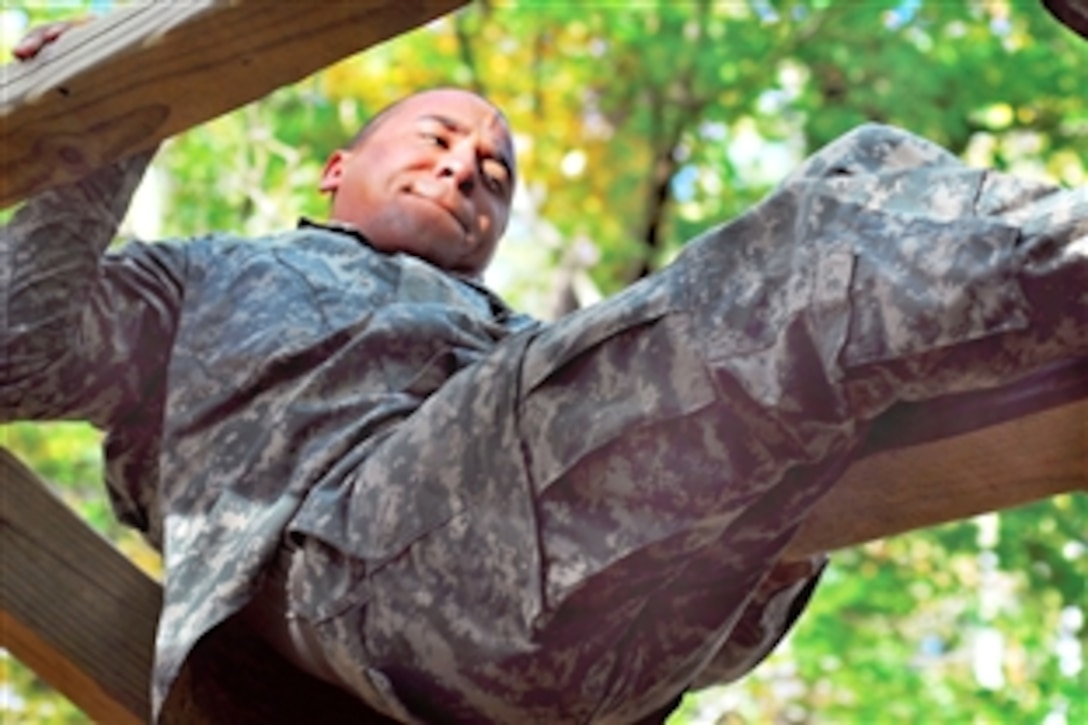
pixel 493 519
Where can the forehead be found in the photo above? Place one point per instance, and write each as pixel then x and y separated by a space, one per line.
pixel 469 111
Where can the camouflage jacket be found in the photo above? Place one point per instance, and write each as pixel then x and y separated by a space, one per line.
pixel 239 382
pixel 232 376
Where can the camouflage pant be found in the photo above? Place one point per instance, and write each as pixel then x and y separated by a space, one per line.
pixel 580 521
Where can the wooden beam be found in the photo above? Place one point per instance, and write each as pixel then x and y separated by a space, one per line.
pixel 73 609
pixel 995 468
pixel 128 80
pixel 78 613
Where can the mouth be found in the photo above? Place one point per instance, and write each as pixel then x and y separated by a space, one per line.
pixel 436 194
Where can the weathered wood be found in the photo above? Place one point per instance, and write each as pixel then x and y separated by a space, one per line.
pixel 73 609
pixel 78 613
pixel 996 468
pixel 964 454
pixel 126 81
pixel 64 675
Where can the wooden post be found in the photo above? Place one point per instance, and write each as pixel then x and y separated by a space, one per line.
pixel 126 81
pixel 83 617
pixel 71 607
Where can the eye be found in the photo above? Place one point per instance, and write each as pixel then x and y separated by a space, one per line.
pixel 435 139
pixel 495 176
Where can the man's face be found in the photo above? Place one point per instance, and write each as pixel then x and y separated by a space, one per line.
pixel 434 178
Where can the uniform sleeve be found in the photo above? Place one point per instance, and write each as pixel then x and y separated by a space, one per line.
pixel 84 334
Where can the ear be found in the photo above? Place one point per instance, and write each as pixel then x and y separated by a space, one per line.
pixel 334 171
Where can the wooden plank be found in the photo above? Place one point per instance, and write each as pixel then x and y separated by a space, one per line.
pixel 995 468
pixel 126 81
pixel 78 613
pixel 64 675
pixel 71 607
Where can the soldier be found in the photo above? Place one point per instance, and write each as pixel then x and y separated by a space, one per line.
pixel 458 513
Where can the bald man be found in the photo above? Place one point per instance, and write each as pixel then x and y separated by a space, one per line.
pixel 432 176
pixel 460 514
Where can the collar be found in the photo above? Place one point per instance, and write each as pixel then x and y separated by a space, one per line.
pixel 343 228
pixel 335 226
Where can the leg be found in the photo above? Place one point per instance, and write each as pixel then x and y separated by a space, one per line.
pixel 580 520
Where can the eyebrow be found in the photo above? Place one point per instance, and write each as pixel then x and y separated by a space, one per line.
pixel 454 125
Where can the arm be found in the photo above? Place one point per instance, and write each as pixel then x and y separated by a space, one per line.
pixel 83 335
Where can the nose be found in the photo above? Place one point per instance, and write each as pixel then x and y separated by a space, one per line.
pixel 459 165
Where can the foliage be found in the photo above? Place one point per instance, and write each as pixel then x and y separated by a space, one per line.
pixel 638 125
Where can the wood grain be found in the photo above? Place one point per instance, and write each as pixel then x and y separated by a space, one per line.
pixel 126 81
pixel 78 613
pixel 71 607
pixel 995 468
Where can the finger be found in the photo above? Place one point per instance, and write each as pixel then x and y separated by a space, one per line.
pixel 27 46
pixel 32 43
pixel 52 32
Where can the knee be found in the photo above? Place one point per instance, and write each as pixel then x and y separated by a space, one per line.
pixel 869 149
pixel 869 140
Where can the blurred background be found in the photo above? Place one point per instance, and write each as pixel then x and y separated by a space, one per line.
pixel 640 123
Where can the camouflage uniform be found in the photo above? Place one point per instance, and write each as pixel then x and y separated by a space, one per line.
pixel 491 519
